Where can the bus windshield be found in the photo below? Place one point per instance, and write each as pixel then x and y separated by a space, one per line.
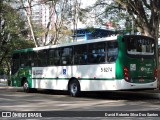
pixel 140 46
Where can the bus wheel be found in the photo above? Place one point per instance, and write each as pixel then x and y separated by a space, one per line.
pixel 74 88
pixel 26 86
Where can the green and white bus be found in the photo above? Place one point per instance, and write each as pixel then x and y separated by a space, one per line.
pixel 113 63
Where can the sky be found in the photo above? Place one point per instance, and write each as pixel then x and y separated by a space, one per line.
pixel 86 3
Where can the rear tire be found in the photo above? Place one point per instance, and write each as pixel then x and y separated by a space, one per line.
pixel 74 88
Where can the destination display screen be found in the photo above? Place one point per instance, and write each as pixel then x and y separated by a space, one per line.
pixel 140 46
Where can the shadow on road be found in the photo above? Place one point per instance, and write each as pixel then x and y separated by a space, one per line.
pixel 111 95
pixel 120 95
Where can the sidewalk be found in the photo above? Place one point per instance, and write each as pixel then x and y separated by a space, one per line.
pixel 4 86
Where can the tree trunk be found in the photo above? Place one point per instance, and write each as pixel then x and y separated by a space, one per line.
pixel 28 14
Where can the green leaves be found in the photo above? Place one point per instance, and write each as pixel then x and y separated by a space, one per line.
pixel 13 34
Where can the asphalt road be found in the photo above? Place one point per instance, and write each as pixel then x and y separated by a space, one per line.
pixel 103 105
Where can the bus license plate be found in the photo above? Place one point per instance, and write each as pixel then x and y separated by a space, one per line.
pixel 141 80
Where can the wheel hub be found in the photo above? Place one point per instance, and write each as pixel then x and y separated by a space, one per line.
pixel 74 88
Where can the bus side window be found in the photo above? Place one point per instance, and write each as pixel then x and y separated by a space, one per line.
pixel 112 51
pixel 15 62
pixel 23 59
pixel 30 59
pixel 67 54
pixel 57 56
pixel 96 52
pixel 80 54
pixel 42 58
pixel 51 57
pixel 35 59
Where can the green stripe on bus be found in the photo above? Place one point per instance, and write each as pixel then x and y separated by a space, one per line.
pixel 77 78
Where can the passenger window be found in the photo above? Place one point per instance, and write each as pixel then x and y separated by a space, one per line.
pixel 67 56
pixel 23 59
pixel 112 51
pixel 42 58
pixel 51 57
pixel 35 59
pixel 16 56
pixel 15 63
pixel 97 53
pixel 80 54
pixel 57 56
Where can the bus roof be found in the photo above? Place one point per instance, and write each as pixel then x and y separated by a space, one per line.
pixel 68 44
pixel 112 38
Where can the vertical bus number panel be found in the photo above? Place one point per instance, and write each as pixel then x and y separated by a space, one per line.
pixel 106 69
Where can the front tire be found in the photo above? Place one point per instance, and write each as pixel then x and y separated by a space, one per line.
pixel 27 89
pixel 74 88
pixel 26 86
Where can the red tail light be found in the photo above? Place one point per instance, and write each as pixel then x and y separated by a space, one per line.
pixel 155 73
pixel 126 73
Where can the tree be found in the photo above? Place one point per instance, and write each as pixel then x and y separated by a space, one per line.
pixel 59 10
pixel 28 11
pixel 55 28
pixel 145 13
pixel 13 35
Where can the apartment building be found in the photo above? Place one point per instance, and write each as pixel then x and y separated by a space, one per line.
pixel 41 17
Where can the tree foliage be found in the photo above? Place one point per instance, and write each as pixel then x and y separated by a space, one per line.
pixel 13 34
pixel 59 10
pixel 55 27
pixel 144 13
